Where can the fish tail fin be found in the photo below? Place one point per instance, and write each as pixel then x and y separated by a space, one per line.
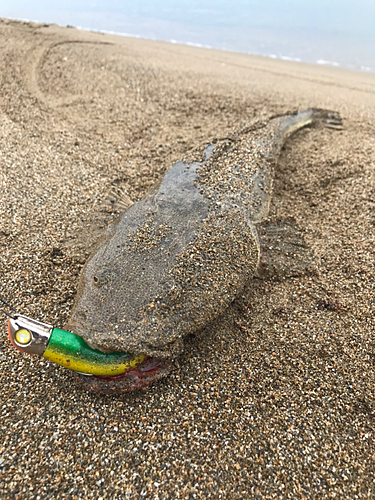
pixel 311 117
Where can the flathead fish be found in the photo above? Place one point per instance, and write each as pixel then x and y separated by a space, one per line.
pixel 179 257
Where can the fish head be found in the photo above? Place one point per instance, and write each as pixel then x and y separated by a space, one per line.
pixel 99 318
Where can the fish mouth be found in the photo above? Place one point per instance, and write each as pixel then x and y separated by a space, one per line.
pixel 136 379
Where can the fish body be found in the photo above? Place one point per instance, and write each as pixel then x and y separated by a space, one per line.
pixel 180 256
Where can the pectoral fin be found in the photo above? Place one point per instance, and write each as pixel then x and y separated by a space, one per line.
pixel 283 250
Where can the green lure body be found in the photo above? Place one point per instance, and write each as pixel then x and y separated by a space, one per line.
pixel 71 351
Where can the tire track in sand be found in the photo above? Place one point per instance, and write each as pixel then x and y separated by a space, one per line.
pixel 35 60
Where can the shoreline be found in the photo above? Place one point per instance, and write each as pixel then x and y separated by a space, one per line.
pixel 320 61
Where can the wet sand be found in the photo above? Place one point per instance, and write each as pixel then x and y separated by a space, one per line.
pixel 276 398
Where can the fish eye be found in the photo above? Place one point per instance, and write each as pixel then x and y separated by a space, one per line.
pixel 104 277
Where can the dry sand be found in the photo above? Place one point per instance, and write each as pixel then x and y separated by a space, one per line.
pixel 276 399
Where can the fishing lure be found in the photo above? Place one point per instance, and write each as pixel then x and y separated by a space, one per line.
pixel 65 348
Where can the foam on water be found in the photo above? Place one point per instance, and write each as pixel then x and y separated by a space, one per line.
pixel 205 46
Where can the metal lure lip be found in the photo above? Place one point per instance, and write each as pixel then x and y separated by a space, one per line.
pixel 40 334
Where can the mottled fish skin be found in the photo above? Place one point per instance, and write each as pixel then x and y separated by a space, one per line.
pixel 180 256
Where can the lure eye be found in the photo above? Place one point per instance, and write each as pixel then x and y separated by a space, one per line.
pixel 96 280
pixel 23 337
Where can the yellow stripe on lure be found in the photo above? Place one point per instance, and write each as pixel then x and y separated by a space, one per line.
pixel 66 348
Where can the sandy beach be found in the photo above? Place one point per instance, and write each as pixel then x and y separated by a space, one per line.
pixel 275 399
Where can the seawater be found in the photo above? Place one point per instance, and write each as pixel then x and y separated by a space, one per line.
pixel 329 32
